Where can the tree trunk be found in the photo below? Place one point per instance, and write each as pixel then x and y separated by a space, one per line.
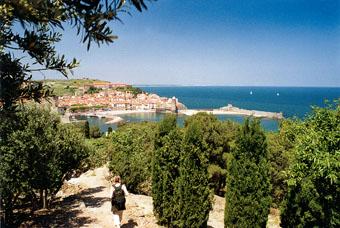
pixel 45 206
pixel 41 197
pixel 16 198
pixel 7 217
pixel 34 202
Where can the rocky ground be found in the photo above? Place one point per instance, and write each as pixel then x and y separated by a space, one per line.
pixel 85 202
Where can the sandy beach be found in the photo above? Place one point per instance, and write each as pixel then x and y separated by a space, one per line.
pixel 123 112
pixel 114 120
pixel 111 114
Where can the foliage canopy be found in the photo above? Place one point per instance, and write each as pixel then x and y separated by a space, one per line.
pixel 31 166
pixel 248 182
pixel 165 169
pixel 132 151
pixel 313 177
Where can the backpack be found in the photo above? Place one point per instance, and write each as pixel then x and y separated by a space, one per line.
pixel 118 198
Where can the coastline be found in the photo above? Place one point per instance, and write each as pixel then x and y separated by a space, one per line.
pixel 116 117
pixel 114 120
pixel 113 115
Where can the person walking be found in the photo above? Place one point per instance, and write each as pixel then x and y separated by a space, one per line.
pixel 118 192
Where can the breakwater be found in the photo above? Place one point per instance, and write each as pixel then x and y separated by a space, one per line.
pixel 231 110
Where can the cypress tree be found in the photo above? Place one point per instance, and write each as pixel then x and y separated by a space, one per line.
pixel 95 132
pixel 109 130
pixel 248 182
pixel 165 168
pixel 216 139
pixel 87 129
pixel 192 192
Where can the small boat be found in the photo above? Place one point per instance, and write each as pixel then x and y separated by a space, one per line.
pixel 277 94
pixel 251 93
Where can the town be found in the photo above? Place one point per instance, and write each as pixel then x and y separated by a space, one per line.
pixel 111 96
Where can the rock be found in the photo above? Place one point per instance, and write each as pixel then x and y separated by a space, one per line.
pixel 82 205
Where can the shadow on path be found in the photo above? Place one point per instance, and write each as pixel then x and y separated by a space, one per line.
pixel 131 224
pixel 59 218
pixel 65 212
pixel 87 197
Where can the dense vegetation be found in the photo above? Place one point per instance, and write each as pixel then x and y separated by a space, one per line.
pixel 180 185
pixel 132 150
pixel 248 183
pixel 165 169
pixel 92 90
pixel 217 139
pixel 192 198
pixel 134 90
pixel 37 155
pixel 262 169
pixel 313 177
pixel 100 151
pixel 280 154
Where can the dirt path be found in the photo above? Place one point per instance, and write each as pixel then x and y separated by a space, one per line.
pixel 93 202
pixel 85 202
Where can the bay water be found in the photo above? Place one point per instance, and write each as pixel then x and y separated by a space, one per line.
pixel 291 101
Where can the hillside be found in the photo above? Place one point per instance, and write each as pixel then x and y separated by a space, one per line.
pixel 69 87
pixel 80 86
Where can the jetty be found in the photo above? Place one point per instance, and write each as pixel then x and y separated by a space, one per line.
pixel 231 110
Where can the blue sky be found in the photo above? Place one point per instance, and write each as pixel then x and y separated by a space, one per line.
pixel 221 42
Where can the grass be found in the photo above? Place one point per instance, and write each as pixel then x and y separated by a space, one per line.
pixel 70 86
pixel 76 86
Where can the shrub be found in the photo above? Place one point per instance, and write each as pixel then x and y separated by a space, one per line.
pixel 87 129
pixel 92 90
pixel 100 151
pixel 133 146
pixel 280 154
pixel 109 130
pixel 95 132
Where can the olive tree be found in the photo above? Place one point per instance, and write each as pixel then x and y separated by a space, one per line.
pixel 37 156
pixel 313 177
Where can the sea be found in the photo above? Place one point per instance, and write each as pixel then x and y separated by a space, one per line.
pixel 291 101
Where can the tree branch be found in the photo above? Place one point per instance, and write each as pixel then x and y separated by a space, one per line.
pixel 14 48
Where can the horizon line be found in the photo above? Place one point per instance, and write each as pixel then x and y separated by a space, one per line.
pixel 212 85
pixel 190 85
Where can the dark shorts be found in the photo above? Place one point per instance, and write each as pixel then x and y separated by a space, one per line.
pixel 118 205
